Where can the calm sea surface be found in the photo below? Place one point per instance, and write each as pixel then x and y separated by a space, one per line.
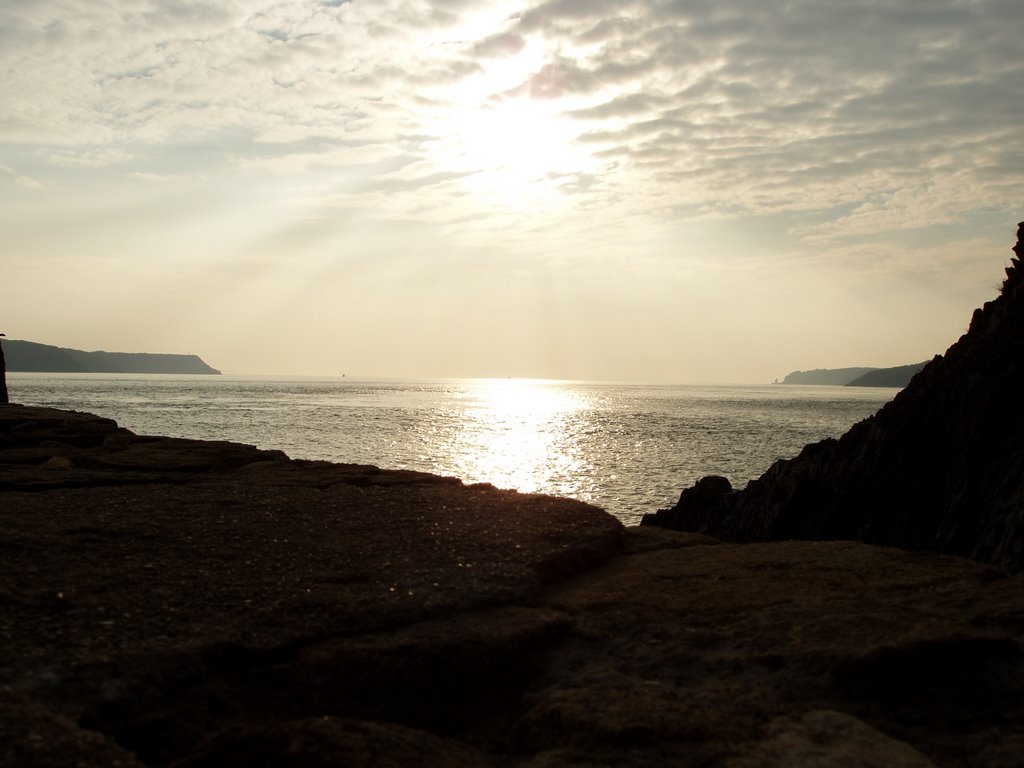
pixel 627 448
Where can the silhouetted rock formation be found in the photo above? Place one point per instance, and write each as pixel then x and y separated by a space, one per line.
pixel 30 356
pixel 940 467
pixel 826 376
pixel 898 376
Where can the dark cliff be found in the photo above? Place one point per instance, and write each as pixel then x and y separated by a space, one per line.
pixel 30 356
pixel 941 467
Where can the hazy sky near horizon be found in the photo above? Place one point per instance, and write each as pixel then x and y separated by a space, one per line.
pixel 652 190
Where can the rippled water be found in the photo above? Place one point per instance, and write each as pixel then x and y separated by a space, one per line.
pixel 627 448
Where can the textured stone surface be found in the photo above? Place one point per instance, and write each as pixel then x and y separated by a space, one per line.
pixel 824 738
pixel 170 602
pixel 695 651
pixel 941 467
pixel 139 574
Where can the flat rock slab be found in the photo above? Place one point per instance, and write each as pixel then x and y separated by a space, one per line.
pixel 206 605
pixel 114 542
pixel 696 652
pixel 125 552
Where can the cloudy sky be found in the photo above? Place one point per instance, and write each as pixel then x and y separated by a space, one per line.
pixel 652 190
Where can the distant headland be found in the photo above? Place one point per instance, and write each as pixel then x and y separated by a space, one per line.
pixel 898 376
pixel 32 357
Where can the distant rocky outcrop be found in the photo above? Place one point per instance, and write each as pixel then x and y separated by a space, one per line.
pixel 826 376
pixel 30 356
pixel 940 467
pixel 898 376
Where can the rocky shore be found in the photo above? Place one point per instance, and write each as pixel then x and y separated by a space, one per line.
pixel 175 602
pixel 194 604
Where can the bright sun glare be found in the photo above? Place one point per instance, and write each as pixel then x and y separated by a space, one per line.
pixel 517 141
pixel 512 144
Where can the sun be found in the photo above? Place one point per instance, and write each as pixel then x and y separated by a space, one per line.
pixel 508 142
pixel 516 140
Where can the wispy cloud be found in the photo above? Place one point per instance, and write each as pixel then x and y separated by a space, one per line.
pixel 501 44
pixel 758 104
pixel 19 178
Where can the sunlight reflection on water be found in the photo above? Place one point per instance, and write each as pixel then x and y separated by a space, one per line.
pixel 514 434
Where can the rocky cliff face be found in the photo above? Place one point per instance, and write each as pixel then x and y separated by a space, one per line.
pixel 941 467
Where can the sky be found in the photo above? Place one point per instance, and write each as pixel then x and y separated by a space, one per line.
pixel 677 191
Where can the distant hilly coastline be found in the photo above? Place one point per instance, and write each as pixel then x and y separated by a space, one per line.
pixel 32 357
pixel 898 376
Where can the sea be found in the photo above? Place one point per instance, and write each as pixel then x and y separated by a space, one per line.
pixel 628 448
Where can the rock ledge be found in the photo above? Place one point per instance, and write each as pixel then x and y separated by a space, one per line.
pixel 174 602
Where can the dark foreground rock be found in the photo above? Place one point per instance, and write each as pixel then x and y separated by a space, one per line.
pixel 172 602
pixel 141 575
pixel 940 467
